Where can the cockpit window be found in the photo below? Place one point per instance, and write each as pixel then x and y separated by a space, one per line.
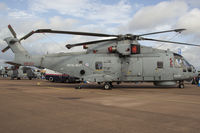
pixel 179 61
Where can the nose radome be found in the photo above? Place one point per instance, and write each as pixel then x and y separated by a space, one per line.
pixel 195 72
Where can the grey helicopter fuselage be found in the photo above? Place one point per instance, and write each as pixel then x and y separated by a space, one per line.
pixel 121 61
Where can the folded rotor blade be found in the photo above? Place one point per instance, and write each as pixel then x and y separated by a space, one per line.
pixel 150 39
pixel 89 43
pixel 5 49
pixel 74 33
pixel 67 32
pixel 27 35
pixel 12 31
pixel 175 30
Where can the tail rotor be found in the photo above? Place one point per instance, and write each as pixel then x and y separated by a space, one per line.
pixel 14 35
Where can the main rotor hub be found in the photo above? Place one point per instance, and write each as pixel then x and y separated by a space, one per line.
pixel 128 37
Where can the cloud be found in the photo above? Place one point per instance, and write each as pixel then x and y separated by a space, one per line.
pixel 3 6
pixel 86 9
pixel 190 21
pixel 38 43
pixel 193 3
pixel 192 54
pixel 117 13
pixel 75 7
pixel 58 22
pixel 163 13
pixel 20 14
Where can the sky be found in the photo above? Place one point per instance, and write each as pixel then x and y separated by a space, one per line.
pixel 103 16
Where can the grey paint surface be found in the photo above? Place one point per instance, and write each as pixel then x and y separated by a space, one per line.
pixel 120 65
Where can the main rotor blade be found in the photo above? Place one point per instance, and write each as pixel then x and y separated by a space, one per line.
pixel 149 39
pixel 175 30
pixel 67 32
pixel 89 43
pixel 5 49
pixel 12 31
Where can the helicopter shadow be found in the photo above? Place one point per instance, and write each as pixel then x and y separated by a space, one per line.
pixel 119 87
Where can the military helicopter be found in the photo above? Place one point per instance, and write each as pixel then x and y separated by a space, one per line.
pixel 117 59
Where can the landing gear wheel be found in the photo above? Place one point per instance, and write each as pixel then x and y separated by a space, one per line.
pixel 51 79
pixel 181 86
pixel 108 86
pixel 78 87
pixel 118 82
pixel 67 81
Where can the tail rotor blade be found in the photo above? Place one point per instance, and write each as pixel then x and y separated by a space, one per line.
pixel 5 49
pixel 12 31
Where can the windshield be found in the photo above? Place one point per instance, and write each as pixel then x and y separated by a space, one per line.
pixel 186 63
pixel 179 61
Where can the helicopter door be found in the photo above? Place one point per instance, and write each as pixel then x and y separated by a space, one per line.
pixel 132 69
pixel 149 66
pixel 124 68
pixel 111 67
pixel 159 71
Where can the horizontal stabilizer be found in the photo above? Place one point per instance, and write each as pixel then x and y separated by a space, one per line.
pixel 13 63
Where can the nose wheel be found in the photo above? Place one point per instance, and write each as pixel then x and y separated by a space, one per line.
pixel 181 85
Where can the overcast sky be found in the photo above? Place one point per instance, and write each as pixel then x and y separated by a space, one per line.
pixel 104 16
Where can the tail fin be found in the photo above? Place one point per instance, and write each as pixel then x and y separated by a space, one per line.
pixel 15 46
pixel 22 57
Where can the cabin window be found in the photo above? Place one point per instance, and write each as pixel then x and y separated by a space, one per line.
pixel 189 69
pixel 99 65
pixel 159 64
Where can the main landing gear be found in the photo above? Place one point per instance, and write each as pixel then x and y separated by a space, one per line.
pixel 181 84
pixel 108 86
